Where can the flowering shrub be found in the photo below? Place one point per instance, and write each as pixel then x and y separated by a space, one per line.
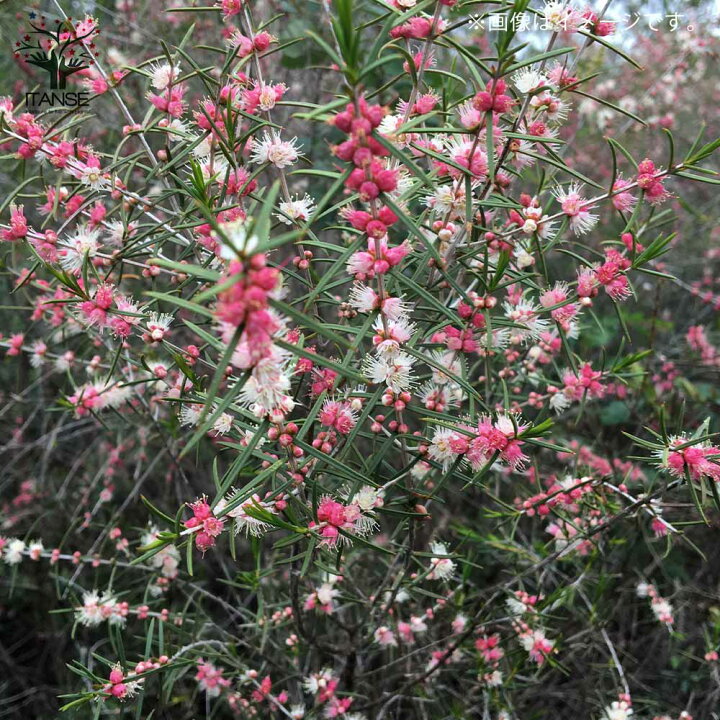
pixel 359 363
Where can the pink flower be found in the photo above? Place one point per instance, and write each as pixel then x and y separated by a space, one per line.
pixel 611 275
pixel 18 229
pixel 650 180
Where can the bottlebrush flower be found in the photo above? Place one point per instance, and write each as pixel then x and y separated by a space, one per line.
pixel 699 460
pixel 75 249
pixel 378 258
pixel 442 448
pixel 441 568
pixel 385 636
pixel 622 200
pixel 650 180
pixel 163 74
pixel 120 685
pixel 617 710
pixel 231 7
pixel 528 80
pixel 390 335
pixel 297 210
pixel 395 371
pixel 576 208
pixel 13 551
pixel 563 17
pixel 536 644
pixel 158 325
pixel 611 275
pixel 18 229
pixel 210 678
pixel 271 149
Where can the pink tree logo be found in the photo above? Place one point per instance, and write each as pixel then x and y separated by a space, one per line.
pixel 61 52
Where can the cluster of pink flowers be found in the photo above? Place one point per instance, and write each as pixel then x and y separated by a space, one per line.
pixel 204 524
pixel 491 438
pixel 210 678
pixel 698 340
pixel 335 517
pixel 699 460
pixel 122 685
pixel 662 609
pixel 244 305
pixel 577 386
pixel 650 181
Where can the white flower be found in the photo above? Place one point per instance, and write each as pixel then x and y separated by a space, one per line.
pixel 91 176
pixel 441 568
pixel 554 108
pixel 447 199
pixel 395 371
pixel 114 394
pixel 494 679
pixel 204 148
pixel 363 298
pixel 618 710
pixel 527 80
pixel 158 324
pixel 396 308
pixel 420 470
pixel 440 450
pixel 214 167
pixel 91 613
pixel 239 241
pixel 560 402
pixel 268 96
pixel 326 593
pixel 459 623
pixel 537 222
pixel 116 230
pixel 223 424
pixel 515 606
pixel 388 128
pixel 37 358
pixel 267 390
pixel 163 74
pixel 525 314
pixel 84 244
pixel 190 415
pixel 417 624
pixel 167 560
pixel 297 712
pixel 662 609
pixel 368 498
pixel 245 522
pixel 178 130
pixel 398 333
pixel 271 149
pixel 451 361
pixel 317 681
pixel 14 551
pixel 64 362
pixel 576 208
pixel 298 210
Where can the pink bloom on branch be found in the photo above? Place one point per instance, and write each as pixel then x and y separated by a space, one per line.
pixel 18 229
pixel 650 180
